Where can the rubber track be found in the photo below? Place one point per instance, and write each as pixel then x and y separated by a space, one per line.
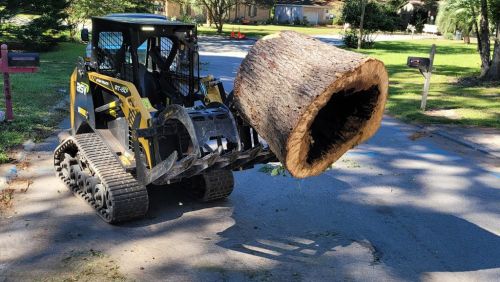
pixel 217 185
pixel 129 198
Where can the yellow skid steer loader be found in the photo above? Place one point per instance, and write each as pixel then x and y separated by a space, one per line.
pixel 141 114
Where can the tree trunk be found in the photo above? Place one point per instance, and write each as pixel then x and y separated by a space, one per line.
pixel 361 22
pixel 476 28
pixel 485 39
pixel 72 31
pixel 309 100
pixel 209 12
pixel 494 71
pixel 219 26
pixel 466 35
pixel 219 17
pixel 236 10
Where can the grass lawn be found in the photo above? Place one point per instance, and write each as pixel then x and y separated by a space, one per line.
pixel 262 30
pixel 448 102
pixel 35 95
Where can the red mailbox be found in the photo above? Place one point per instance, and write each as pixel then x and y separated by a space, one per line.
pixel 15 63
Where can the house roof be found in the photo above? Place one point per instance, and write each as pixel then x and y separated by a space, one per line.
pixel 140 19
pixel 411 5
pixel 318 3
pixel 415 2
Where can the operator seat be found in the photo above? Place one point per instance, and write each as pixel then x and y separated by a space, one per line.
pixel 149 81
pixel 149 86
pixel 164 78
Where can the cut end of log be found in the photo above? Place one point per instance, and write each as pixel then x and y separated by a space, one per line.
pixel 347 113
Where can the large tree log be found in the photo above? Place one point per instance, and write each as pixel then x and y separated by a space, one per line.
pixel 309 100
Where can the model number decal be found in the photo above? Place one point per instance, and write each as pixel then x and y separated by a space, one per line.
pixel 122 89
pixel 82 88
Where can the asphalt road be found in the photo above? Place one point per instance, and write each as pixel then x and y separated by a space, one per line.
pixel 403 206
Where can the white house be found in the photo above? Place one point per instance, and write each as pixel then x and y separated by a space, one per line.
pixel 316 12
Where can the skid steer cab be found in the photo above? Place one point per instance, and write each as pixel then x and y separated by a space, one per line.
pixel 141 114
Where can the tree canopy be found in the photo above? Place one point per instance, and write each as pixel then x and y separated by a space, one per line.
pixel 81 10
pixel 44 30
pixel 458 15
pixel 482 17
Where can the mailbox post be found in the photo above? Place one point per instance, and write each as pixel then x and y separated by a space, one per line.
pixel 424 65
pixel 15 63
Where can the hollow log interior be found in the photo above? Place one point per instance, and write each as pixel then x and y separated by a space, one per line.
pixel 340 120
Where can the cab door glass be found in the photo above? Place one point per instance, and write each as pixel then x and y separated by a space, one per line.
pixel 142 53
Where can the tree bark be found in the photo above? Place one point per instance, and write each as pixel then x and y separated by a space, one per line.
pixel 361 22
pixel 494 71
pixel 219 26
pixel 219 15
pixel 466 35
pixel 309 100
pixel 485 39
pixel 476 28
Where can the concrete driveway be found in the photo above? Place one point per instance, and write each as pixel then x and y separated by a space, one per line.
pixel 405 206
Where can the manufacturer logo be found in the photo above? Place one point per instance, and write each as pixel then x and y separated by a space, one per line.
pixel 82 88
pixel 102 82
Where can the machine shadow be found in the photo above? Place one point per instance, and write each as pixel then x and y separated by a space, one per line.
pixel 169 202
pixel 426 240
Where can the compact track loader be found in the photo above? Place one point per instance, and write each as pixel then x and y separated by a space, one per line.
pixel 141 114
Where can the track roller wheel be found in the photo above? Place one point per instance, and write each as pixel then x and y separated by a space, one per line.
pixel 90 183
pixel 211 186
pixel 80 179
pixel 74 171
pixel 99 195
pixel 66 164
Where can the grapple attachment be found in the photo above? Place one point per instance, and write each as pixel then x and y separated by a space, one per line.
pixel 189 141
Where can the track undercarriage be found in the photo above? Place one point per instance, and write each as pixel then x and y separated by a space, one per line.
pixel 91 171
pixel 88 168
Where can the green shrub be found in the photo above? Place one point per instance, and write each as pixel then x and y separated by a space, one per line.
pixel 338 20
pixel 449 36
pixel 297 21
pixel 350 39
pixel 187 19
pixel 200 19
pixel 300 22
pixel 305 22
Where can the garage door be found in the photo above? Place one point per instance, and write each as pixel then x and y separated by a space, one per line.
pixel 312 16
